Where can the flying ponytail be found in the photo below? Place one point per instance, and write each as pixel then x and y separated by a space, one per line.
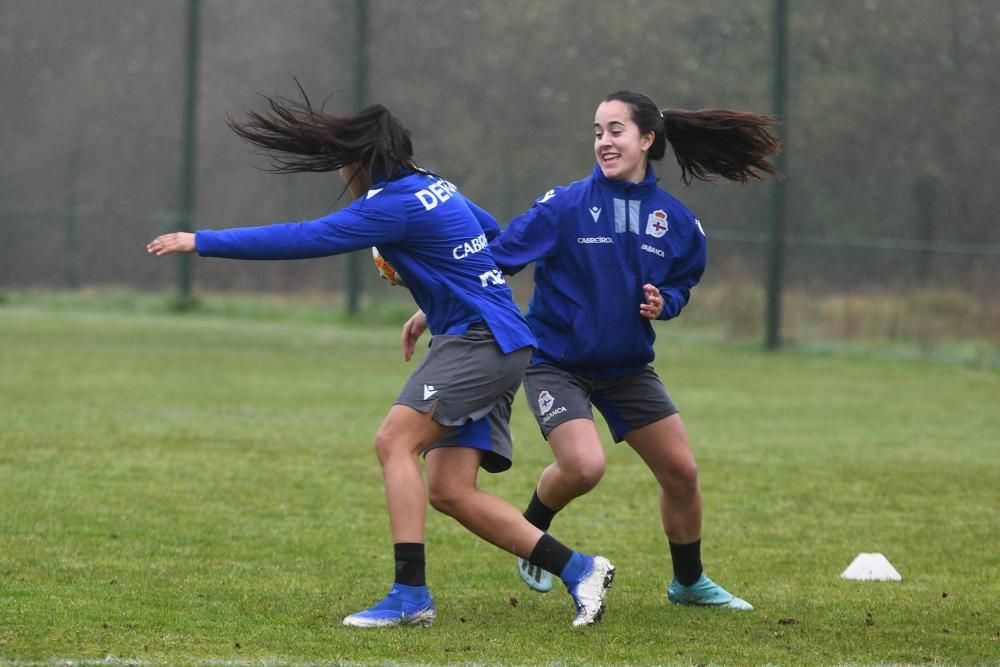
pixel 298 138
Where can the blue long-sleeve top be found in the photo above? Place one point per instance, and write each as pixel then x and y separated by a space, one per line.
pixel 434 237
pixel 595 243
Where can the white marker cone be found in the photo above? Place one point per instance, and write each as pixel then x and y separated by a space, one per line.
pixel 871 567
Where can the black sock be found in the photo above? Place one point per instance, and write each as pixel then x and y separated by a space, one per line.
pixel 687 562
pixel 538 514
pixel 550 554
pixel 410 563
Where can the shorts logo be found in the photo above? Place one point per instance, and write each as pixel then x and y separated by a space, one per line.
pixel 545 401
pixel 656 224
pixel 558 411
pixel 429 391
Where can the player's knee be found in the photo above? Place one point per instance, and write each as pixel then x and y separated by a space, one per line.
pixel 683 480
pixel 386 445
pixel 445 498
pixel 586 474
pixel 689 473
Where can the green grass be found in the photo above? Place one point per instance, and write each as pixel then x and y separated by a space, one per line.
pixel 197 489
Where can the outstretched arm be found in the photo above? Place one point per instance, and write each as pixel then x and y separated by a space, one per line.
pixel 333 234
pixel 166 244
pixel 339 232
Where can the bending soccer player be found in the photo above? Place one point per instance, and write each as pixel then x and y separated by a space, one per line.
pixel 455 407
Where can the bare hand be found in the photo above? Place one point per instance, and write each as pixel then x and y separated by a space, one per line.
pixel 170 243
pixel 412 330
pixel 654 303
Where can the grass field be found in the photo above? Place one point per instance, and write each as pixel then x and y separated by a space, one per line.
pixel 202 490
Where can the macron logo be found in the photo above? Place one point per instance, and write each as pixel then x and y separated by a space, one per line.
pixel 429 391
pixel 547 196
pixel 595 213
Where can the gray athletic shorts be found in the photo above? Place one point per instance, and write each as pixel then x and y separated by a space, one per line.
pixel 472 383
pixel 627 402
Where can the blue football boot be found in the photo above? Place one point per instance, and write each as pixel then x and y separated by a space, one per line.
pixel 404 605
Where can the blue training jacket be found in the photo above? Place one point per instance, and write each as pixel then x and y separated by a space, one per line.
pixel 595 243
pixel 434 237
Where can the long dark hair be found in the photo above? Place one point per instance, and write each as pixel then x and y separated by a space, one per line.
pixel 709 142
pixel 299 138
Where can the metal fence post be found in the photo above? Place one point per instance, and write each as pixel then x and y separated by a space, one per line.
pixel 776 241
pixel 361 25
pixel 73 217
pixel 189 155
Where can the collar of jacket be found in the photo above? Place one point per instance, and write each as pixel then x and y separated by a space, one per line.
pixel 627 188
pixel 378 178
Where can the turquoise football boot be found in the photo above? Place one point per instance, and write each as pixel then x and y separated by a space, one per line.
pixel 535 577
pixel 705 593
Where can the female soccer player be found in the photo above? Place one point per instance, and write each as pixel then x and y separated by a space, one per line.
pixel 455 407
pixel 612 253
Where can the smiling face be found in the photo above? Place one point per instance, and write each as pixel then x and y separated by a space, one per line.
pixel 620 148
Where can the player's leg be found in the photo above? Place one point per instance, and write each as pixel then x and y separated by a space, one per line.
pixel 664 447
pixel 578 466
pixel 666 451
pixel 451 480
pixel 451 385
pixel 404 433
pixel 560 403
pixel 639 411
pixel 452 490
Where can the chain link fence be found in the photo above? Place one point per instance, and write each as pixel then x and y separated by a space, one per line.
pixel 892 160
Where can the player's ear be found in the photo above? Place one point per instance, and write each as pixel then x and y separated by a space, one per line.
pixel 646 140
